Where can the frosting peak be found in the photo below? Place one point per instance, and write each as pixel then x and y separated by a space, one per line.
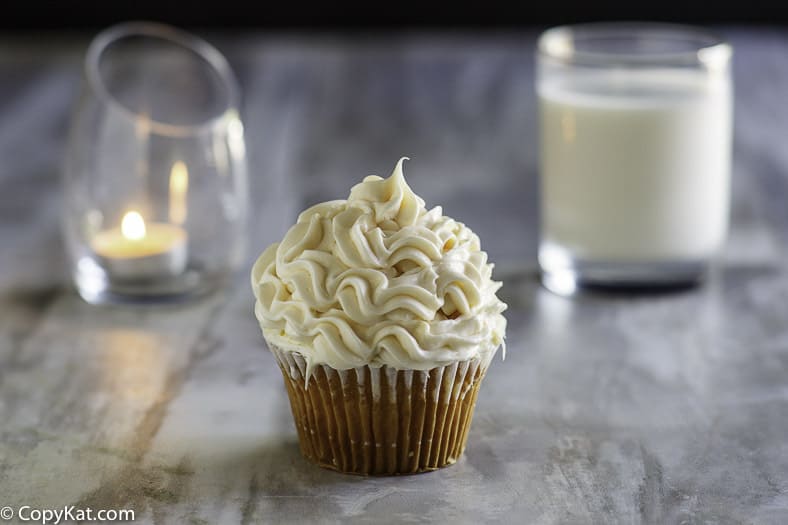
pixel 387 199
pixel 378 280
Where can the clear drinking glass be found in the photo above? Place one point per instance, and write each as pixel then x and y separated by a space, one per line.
pixel 635 154
pixel 155 175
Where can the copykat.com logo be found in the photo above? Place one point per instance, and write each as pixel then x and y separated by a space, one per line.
pixel 67 514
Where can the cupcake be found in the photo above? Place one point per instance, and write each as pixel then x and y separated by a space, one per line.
pixel 383 318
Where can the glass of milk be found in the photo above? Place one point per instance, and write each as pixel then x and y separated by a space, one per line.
pixel 635 154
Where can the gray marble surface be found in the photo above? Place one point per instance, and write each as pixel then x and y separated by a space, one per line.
pixel 608 409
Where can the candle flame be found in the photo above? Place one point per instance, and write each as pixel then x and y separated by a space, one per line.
pixel 179 185
pixel 133 226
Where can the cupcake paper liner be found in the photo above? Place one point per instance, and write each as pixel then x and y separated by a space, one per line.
pixel 381 421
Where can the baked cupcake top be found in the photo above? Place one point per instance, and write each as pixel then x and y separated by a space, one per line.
pixel 378 280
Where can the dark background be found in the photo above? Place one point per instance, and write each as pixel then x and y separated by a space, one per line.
pixel 377 14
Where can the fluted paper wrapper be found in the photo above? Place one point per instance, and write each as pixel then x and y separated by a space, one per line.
pixel 379 421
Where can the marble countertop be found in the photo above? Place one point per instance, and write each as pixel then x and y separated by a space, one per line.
pixel 608 409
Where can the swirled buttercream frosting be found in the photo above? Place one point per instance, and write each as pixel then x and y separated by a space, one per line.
pixel 377 279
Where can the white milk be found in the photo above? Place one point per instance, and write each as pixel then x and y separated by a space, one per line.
pixel 636 168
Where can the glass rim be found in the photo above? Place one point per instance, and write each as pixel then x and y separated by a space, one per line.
pixel 710 50
pixel 174 36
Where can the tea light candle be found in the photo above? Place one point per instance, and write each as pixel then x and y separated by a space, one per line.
pixel 138 250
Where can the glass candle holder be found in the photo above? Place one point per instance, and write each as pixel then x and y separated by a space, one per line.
pixel 155 175
pixel 635 154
